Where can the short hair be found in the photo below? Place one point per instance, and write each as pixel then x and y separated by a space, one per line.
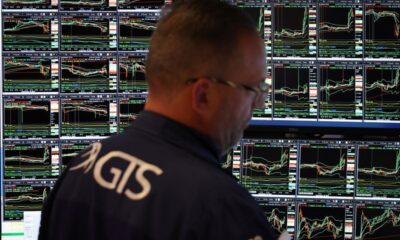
pixel 195 39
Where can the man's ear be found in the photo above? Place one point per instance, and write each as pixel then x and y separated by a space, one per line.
pixel 201 95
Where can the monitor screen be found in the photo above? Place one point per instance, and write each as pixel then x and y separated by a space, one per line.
pixel 322 189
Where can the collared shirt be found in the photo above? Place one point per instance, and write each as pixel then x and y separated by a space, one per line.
pixel 157 180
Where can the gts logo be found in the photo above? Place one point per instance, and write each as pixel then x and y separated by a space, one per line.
pixel 120 176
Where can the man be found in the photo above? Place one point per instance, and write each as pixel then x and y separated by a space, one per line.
pixel 161 178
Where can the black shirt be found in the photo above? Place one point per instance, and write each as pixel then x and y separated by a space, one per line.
pixel 157 180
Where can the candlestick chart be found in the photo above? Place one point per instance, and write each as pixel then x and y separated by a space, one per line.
pixel 291 94
pixel 377 222
pixel 135 31
pixel 23 197
pixel 378 171
pixel 323 170
pixel 382 26
pixel 382 92
pixel 80 74
pixel 29 74
pixel 265 168
pixel 83 32
pixel 292 37
pixel 25 118
pixel 87 117
pixel 31 161
pixel 129 109
pixel 337 31
pixel 132 72
pixel 23 31
pixel 338 93
pixel 318 222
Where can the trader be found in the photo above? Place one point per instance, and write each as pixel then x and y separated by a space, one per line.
pixel 161 178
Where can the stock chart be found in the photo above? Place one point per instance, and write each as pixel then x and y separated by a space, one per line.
pixel 382 29
pixel 382 91
pixel 324 220
pixel 267 167
pixel 322 189
pixel 324 169
pixel 377 220
pixel 294 94
pixel 295 37
pixel 341 89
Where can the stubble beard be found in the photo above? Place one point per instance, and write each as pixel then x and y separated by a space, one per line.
pixel 231 138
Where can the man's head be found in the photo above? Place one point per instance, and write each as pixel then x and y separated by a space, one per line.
pixel 204 69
